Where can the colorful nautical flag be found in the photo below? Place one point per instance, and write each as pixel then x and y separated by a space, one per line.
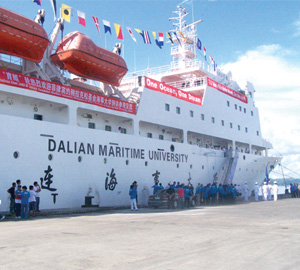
pixel 81 17
pixel 38 2
pixel 170 37
pixel 199 44
pixel 161 38
pixel 183 37
pixel 145 36
pixel 53 3
pixel 204 52
pixel 118 31
pixel 96 21
pixel 131 34
pixel 177 39
pixel 267 175
pixel 106 26
pixel 66 12
pixel 158 43
pixel 211 59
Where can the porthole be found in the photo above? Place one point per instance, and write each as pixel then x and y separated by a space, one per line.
pixel 244 157
pixel 105 160
pixel 127 161
pixel 213 167
pixel 79 159
pixel 202 167
pixel 50 157
pixel 146 163
pixel 16 154
pixel 177 165
pixel 191 166
pixel 172 147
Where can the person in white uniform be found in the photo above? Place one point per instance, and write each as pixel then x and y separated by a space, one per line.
pixel 265 191
pixel 269 191
pixel 246 192
pixel 275 191
pixel 256 190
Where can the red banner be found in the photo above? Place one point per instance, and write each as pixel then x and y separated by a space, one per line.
pixel 222 88
pixel 59 90
pixel 172 91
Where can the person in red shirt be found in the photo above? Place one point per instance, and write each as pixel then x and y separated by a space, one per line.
pixel 180 197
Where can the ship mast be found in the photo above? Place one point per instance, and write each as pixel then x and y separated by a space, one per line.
pixel 184 36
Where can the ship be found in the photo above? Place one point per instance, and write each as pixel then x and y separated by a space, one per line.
pixel 186 122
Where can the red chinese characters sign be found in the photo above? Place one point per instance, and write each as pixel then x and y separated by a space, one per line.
pixel 169 90
pixel 222 88
pixel 59 90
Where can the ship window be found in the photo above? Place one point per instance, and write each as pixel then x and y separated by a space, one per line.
pixel 202 117
pixel 231 125
pixel 146 163
pixel 245 110
pixel 257 133
pixel 38 117
pixel 167 107
pixel 246 130
pixel 107 128
pixel 213 120
pixel 149 135
pixel 223 123
pixel 50 157
pixel 228 103
pixel 16 154
pixel 235 106
pixel 127 161
pixel 202 167
pixel 79 159
pixel 92 125
pixel 177 110
pixel 191 114
pixel 240 108
pixel 161 137
pixel 251 113
pixel 191 166
pixel 123 130
pixel 239 127
pixel 177 165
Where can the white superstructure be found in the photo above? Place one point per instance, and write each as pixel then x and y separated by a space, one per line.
pixel 177 122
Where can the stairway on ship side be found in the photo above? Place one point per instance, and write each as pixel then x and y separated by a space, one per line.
pixel 228 169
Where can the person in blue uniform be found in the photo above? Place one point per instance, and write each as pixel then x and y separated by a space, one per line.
pixel 25 195
pixel 214 192
pixel 133 195
pixel 220 193
pixel 187 196
pixel 155 188
pixel 160 187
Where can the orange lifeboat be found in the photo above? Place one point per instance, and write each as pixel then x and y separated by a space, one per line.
pixel 78 54
pixel 22 37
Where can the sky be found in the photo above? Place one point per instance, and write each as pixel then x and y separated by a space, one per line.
pixel 258 41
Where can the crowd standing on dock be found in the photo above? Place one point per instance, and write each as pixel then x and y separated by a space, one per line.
pixel 23 203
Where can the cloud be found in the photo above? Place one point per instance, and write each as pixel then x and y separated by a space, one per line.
pixel 277 84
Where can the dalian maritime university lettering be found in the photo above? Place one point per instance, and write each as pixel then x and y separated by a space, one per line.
pixel 116 151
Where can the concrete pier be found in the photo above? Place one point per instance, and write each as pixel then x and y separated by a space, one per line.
pixel 262 235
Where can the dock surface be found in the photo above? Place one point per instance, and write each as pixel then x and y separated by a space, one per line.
pixel 262 235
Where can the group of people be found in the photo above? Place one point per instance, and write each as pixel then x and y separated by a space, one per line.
pixel 295 190
pixel 267 189
pixel 204 194
pixel 24 202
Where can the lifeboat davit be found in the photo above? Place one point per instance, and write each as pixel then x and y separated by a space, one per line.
pixel 78 54
pixel 22 37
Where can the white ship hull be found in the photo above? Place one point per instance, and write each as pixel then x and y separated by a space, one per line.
pixel 73 179
pixel 187 122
